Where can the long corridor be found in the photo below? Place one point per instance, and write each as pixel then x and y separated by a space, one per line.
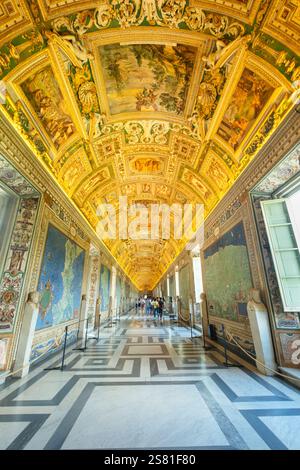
pixel 148 385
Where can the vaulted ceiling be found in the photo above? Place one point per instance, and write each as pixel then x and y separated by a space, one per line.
pixel 163 101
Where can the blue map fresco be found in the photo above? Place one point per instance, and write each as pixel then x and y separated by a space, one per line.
pixel 104 287
pixel 118 292
pixel 60 280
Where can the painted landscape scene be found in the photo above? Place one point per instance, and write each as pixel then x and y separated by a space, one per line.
pixel 147 77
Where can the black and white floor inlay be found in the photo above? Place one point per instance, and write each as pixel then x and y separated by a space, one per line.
pixel 148 385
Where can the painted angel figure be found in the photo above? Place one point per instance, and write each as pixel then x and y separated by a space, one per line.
pixel 212 59
pixel 78 52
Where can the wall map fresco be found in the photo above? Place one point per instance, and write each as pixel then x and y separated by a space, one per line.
pixel 227 275
pixel 60 280
pixel 104 287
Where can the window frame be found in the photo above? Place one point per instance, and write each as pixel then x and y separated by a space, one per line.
pixel 14 201
pixel 263 204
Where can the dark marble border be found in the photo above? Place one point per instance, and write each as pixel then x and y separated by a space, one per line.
pixel 171 367
pixel 10 399
pixel 234 398
pixel 228 429
pixel 35 423
pixel 252 416
pixel 136 368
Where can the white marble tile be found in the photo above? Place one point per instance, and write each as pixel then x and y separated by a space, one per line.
pixel 262 405
pixel 145 368
pixel 150 350
pixel 242 384
pixel 9 432
pixel 291 392
pixel 11 386
pixel 41 438
pixel 16 410
pixel 163 369
pixel 46 388
pixel 150 416
pixel 197 359
pixel 250 436
pixel 145 331
pixel 114 360
pixel 286 428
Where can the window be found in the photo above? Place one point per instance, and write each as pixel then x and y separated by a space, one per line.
pixel 197 277
pixel 7 214
pixel 198 288
pixel 293 205
pixel 281 226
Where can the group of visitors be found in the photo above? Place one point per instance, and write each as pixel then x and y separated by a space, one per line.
pixel 154 306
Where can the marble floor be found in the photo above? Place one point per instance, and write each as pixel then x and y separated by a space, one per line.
pixel 147 385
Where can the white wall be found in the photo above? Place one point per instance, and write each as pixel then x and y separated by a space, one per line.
pixel 293 205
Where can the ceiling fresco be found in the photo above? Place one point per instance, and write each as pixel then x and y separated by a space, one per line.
pixel 147 77
pixel 160 101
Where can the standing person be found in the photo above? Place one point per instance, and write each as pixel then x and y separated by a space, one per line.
pixel 155 307
pixel 152 306
pixel 143 305
pixel 148 306
pixel 160 308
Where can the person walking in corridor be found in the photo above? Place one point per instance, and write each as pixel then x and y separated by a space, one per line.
pixel 160 308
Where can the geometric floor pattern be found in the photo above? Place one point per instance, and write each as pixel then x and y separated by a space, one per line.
pixel 147 385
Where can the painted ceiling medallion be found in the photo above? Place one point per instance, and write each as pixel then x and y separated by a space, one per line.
pixel 159 101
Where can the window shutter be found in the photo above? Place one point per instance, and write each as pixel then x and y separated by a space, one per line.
pixel 285 252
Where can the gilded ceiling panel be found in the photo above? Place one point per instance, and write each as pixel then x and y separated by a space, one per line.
pixel 76 168
pixel 283 23
pixel 143 77
pixel 51 8
pixel 146 165
pixel 185 149
pixel 248 100
pixel 14 19
pixel 91 184
pixel 201 188
pixel 46 99
pixel 217 172
pixel 245 10
pixel 107 147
